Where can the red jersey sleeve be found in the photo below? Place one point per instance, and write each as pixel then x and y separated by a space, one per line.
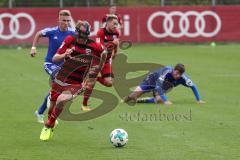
pixel 118 32
pixel 65 44
pixel 100 36
pixel 120 21
pixel 98 49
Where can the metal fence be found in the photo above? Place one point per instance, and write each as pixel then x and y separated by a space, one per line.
pixel 101 3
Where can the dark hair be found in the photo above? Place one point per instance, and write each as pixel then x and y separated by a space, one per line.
pixel 83 29
pixel 180 68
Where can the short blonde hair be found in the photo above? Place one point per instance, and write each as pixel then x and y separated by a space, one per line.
pixel 111 17
pixel 64 12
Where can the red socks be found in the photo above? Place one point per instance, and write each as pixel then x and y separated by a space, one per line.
pixel 56 111
pixel 101 80
pixel 86 96
pixel 85 100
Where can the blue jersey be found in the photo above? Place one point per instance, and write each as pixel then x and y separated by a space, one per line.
pixel 55 37
pixel 165 75
pixel 161 81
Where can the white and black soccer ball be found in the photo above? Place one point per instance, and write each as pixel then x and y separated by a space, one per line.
pixel 119 137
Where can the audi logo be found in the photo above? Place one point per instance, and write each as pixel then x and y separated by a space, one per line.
pixel 14 26
pixel 184 24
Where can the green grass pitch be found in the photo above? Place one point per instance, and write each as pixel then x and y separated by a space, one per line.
pixel 208 132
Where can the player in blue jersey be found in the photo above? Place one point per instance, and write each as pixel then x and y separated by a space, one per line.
pixel 55 36
pixel 160 83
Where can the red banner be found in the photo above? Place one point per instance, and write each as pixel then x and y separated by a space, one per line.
pixel 140 24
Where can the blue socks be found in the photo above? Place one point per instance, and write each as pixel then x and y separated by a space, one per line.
pixel 150 100
pixel 43 107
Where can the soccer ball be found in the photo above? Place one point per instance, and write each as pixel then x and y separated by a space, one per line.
pixel 118 137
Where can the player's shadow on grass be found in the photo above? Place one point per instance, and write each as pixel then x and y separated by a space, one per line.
pixel 105 107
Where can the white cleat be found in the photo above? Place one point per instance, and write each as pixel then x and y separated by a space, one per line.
pixel 56 122
pixel 39 117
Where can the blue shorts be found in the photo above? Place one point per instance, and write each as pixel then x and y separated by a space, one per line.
pixel 148 84
pixel 51 69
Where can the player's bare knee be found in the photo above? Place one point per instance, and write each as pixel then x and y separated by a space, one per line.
pixel 89 87
pixel 52 104
pixel 158 100
pixel 60 100
pixel 132 97
pixel 63 98
pixel 108 82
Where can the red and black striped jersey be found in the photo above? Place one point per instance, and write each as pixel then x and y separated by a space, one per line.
pixel 105 37
pixel 77 65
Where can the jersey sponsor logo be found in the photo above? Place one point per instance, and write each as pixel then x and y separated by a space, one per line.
pixel 161 78
pixel 53 67
pixel 55 37
pixel 200 24
pixel 14 26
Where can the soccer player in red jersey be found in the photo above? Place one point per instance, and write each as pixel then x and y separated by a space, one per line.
pixel 79 65
pixel 112 11
pixel 109 37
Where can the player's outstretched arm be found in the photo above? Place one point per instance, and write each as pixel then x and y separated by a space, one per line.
pixel 165 99
pixel 58 57
pixel 196 94
pixel 162 99
pixel 162 95
pixel 188 83
pixel 33 51
pixel 102 59
pixel 64 50
pixel 90 80
pixel 116 45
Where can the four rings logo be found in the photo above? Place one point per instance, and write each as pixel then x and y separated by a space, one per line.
pixel 183 24
pixel 168 25
pixel 14 26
